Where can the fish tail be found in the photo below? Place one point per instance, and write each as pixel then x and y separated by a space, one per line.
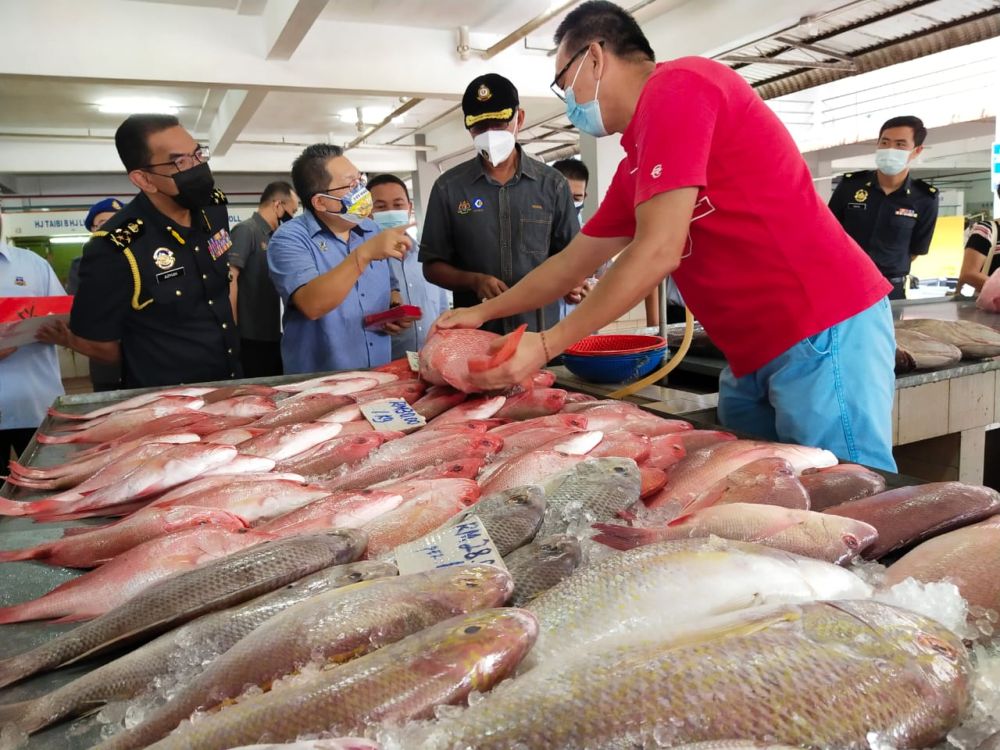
pixel 38 552
pixel 31 484
pixel 14 714
pixel 624 537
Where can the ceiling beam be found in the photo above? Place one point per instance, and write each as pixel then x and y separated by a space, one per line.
pixel 286 23
pixel 235 111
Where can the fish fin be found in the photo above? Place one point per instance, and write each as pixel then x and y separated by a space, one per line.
pixel 76 617
pixel 623 537
pixel 681 519
pixel 504 352
pixel 44 439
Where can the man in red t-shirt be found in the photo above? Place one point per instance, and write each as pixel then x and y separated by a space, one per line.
pixel 714 192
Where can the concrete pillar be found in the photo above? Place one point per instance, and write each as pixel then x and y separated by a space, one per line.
pixel 423 179
pixel 601 155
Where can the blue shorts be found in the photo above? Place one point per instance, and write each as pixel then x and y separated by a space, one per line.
pixel 833 390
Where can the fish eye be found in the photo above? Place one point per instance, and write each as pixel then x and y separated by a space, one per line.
pixel 851 541
pixel 471 583
pixel 472 629
pixel 619 469
pixel 355 576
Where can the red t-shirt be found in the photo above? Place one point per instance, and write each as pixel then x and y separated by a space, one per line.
pixel 766 263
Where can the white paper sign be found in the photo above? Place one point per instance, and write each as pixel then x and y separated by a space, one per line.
pixel 465 543
pixel 392 414
pixel 414 359
pixel 22 332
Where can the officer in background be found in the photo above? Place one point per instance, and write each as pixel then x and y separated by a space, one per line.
pixel 154 282
pixel 103 377
pixel 888 213
pixel 254 299
pixel 495 218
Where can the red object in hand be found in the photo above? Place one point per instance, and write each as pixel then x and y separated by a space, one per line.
pixel 396 314
pixel 13 309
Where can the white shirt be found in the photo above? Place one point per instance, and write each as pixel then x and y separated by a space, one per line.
pixel 29 378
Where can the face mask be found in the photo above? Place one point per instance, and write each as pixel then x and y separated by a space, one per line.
pixel 577 205
pixel 194 187
pixel 495 145
pixel 891 161
pixel 286 216
pixel 585 117
pixel 390 219
pixel 355 206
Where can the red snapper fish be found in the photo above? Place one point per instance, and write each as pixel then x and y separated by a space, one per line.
pixel 450 355
pixel 144 399
pixel 110 585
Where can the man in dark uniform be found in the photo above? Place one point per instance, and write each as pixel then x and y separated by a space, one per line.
pixel 495 218
pixel 154 282
pixel 254 299
pixel 887 212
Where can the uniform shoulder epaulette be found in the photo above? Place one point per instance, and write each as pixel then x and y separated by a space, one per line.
pixel 99 233
pixel 925 185
pixel 127 233
pixel 219 198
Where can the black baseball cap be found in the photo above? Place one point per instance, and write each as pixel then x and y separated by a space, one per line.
pixel 489 97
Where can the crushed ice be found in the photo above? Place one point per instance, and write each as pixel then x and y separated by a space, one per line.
pixel 939 601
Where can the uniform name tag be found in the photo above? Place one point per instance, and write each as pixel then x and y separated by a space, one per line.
pixel 464 543
pixel 173 273
pixel 219 244
pixel 392 414
pixel 858 206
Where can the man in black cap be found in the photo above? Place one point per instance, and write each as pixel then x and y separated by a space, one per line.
pixel 493 219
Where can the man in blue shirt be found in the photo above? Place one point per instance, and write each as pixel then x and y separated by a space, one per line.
pixel 329 266
pixel 29 375
pixel 392 209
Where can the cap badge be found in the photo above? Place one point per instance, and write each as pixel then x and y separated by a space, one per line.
pixel 484 94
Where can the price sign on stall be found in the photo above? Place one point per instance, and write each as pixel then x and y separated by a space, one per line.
pixel 464 543
pixel 414 359
pixel 392 415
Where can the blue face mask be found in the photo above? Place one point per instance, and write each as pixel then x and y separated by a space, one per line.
pixel 585 117
pixel 390 219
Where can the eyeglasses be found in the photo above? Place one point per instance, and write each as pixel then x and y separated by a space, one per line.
pixel 359 181
pixel 556 88
pixel 184 162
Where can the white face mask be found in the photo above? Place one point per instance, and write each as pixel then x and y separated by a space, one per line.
pixel 495 145
pixel 891 161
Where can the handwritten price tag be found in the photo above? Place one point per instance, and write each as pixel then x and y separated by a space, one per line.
pixel 392 414
pixel 414 359
pixel 464 543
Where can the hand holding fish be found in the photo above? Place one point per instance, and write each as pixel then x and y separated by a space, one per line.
pixel 528 357
pixel 462 317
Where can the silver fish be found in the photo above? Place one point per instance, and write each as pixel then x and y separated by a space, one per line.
pixel 539 566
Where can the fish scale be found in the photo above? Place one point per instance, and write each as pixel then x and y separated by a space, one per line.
pixel 204 638
pixel 333 627
pixel 672 583
pixel 215 585
pixel 836 675
pixel 594 490
pixel 440 665
pixel 539 566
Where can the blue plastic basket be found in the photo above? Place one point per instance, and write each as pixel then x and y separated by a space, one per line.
pixel 614 368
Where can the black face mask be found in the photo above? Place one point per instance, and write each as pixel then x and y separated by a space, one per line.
pixel 194 187
pixel 285 217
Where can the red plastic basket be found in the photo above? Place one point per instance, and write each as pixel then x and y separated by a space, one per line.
pixel 602 345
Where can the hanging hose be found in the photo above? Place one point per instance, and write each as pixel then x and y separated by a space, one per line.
pixel 671 364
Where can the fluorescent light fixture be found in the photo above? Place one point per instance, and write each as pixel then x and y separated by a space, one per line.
pixel 127 105
pixel 371 115
pixel 68 239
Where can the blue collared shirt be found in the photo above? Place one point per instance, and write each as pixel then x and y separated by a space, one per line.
pixel 416 290
pixel 299 251
pixel 29 378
